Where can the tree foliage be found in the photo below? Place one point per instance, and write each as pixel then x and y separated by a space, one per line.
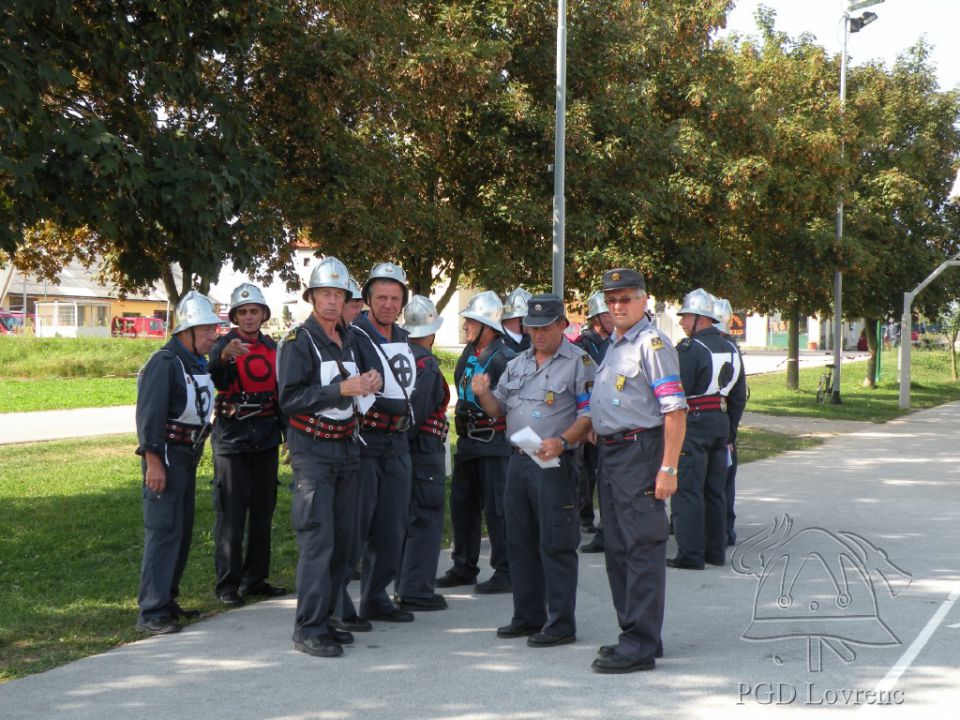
pixel 149 133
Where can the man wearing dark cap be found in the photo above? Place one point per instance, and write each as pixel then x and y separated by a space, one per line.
pixel 638 412
pixel 545 389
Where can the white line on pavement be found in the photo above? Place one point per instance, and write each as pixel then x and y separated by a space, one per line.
pixel 906 660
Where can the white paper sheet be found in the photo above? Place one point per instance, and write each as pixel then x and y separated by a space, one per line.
pixel 528 441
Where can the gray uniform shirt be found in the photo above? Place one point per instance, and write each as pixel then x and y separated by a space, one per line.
pixel 638 381
pixel 549 398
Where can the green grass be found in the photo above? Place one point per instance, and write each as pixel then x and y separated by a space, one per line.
pixel 71 547
pixel 72 539
pixel 931 385
pixel 32 357
pixel 65 393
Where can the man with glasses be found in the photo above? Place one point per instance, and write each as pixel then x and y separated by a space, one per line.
pixel 638 410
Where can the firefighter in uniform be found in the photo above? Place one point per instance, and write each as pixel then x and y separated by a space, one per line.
pixel 428 453
pixel 321 393
pixel 385 474
pixel 245 440
pixel 593 341
pixel 174 401
pixel 709 368
pixel 546 389
pixel 480 464
pixel 736 403
pixel 353 304
pixel 637 407
pixel 514 310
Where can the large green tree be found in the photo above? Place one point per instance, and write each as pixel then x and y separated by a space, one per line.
pixel 904 145
pixel 127 135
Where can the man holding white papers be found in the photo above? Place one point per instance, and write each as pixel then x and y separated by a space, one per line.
pixel 546 390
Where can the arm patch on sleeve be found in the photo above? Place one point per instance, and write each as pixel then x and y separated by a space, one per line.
pixel 656 344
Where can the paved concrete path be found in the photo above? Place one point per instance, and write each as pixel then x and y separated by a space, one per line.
pixel 883 494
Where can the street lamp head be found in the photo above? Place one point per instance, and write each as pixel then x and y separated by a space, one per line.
pixel 858 24
pixel 860 4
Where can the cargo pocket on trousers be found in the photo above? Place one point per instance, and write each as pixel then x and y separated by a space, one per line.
pixel 428 490
pixel 647 521
pixel 565 530
pixel 159 509
pixel 304 493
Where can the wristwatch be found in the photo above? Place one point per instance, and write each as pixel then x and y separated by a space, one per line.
pixel 564 443
pixel 668 470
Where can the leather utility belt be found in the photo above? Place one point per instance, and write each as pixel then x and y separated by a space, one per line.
pixel 241 407
pixel 435 425
pixel 178 433
pixel 481 429
pixel 323 428
pixel 627 435
pixel 707 403
pixel 384 422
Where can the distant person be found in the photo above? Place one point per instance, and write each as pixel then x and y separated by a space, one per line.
pixel 594 341
pixel 246 440
pixel 480 463
pixel 353 304
pixel 710 367
pixel 514 310
pixel 174 400
pixel 736 395
pixel 428 453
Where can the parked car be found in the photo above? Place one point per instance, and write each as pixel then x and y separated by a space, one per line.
pixel 10 322
pixel 133 327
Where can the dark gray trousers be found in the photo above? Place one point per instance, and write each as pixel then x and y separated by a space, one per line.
pixel 699 508
pixel 635 540
pixel 167 533
pixel 382 509
pixel 541 513
pixel 477 487
pixel 730 493
pixel 421 546
pixel 244 498
pixel 324 506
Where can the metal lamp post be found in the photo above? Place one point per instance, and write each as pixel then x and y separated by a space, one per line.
pixel 559 152
pixel 850 25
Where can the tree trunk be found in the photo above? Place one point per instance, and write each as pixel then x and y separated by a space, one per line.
pixel 793 348
pixel 170 285
pixel 451 288
pixel 953 354
pixel 870 329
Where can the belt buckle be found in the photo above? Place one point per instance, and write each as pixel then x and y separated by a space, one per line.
pixel 402 424
pixel 473 434
pixel 242 411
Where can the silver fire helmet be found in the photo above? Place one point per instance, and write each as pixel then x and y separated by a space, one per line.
pixel 485 308
pixel 515 306
pixel 596 305
pixel 724 312
pixel 386 271
pixel 247 294
pixel 194 309
pixel 698 302
pixel 328 273
pixel 420 317
pixel 354 290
